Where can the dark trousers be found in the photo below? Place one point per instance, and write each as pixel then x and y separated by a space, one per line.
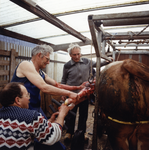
pixel 83 114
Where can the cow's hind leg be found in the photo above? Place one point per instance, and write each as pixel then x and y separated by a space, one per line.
pixel 143 137
pixel 119 134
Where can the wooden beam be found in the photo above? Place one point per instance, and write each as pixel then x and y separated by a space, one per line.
pixel 64 47
pixel 4 53
pixel 21 37
pixel 4 62
pixel 12 63
pixel 7 53
pixel 4 72
pixel 37 10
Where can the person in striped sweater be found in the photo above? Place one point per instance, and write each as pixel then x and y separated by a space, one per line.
pixel 19 126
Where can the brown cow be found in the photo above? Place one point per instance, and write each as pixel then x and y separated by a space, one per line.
pixel 124 98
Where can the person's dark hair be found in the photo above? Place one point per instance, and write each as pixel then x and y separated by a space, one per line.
pixel 9 93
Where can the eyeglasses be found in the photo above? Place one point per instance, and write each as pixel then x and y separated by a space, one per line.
pixel 28 95
pixel 48 59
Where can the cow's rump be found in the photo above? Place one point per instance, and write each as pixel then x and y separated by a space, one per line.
pixel 124 98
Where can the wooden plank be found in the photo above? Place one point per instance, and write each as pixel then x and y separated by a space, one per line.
pixel 4 53
pixel 7 53
pixel 4 62
pixel 64 47
pixel 12 63
pixel 4 72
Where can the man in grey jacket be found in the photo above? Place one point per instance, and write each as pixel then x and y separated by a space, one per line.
pixel 75 72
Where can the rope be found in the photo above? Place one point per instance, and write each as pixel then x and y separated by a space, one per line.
pixel 91 59
pixel 118 54
pixel 91 78
pixel 124 122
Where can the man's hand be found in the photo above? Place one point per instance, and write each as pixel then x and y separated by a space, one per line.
pixel 53 117
pixel 73 96
pixel 63 98
pixel 63 110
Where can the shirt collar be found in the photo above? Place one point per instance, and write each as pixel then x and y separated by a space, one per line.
pixel 73 62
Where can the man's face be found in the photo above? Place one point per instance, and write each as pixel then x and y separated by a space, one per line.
pixel 75 54
pixel 45 60
pixel 24 100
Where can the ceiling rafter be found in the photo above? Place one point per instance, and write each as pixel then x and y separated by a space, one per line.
pixel 50 18
pixel 22 37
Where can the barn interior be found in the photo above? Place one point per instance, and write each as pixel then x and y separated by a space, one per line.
pixel 119 29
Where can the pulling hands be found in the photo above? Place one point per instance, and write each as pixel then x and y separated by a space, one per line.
pixel 53 117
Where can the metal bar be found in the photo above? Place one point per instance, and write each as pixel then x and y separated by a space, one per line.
pixel 95 126
pixel 103 47
pixel 131 52
pixel 97 46
pixel 131 45
pixel 123 22
pixel 113 46
pixel 138 14
pixel 94 55
pixel 132 49
pixel 93 33
pixel 146 33
pixel 64 47
pixel 126 37
pixel 50 18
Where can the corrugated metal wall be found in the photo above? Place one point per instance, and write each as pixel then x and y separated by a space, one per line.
pixel 53 70
pixel 23 49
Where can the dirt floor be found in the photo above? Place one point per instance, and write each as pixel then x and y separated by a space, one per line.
pixel 102 143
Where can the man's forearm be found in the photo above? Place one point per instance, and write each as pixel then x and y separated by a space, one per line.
pixel 60 119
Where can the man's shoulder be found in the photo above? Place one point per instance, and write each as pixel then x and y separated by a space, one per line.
pixel 25 62
pixel 19 113
pixel 67 65
pixel 85 60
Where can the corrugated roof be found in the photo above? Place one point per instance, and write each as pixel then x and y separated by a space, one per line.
pixel 73 13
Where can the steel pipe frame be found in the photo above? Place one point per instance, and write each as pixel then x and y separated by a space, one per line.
pixel 131 45
pixel 139 14
pixel 95 22
pixel 119 22
pixel 131 52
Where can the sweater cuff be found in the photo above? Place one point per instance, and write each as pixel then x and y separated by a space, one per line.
pixel 60 126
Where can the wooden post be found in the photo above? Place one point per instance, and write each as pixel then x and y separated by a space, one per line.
pixel 12 63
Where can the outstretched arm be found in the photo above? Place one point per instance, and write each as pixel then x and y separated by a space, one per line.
pixel 26 69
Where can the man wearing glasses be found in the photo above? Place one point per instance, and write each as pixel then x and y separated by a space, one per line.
pixel 35 79
pixel 19 125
